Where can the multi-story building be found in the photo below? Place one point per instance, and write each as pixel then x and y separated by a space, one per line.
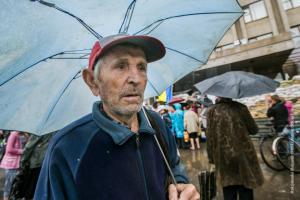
pixel 266 40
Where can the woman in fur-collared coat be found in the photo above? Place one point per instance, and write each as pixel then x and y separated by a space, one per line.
pixel 230 148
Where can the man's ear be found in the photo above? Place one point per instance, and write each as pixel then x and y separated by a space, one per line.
pixel 89 79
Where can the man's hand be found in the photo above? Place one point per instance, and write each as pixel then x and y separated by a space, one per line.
pixel 183 192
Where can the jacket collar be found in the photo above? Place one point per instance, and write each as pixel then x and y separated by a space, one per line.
pixel 119 133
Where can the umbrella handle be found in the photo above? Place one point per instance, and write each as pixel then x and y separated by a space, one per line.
pixel 161 151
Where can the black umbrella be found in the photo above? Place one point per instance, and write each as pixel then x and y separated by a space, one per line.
pixel 237 84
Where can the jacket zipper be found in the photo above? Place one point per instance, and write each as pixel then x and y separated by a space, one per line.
pixel 141 165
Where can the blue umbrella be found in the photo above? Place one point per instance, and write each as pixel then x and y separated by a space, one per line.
pixel 44 46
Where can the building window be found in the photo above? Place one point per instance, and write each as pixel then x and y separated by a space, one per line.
pixel 288 4
pixel 218 49
pixel 252 40
pixel 247 15
pixel 255 11
pixel 261 37
pixel 295 32
pixel 264 36
pixel 227 46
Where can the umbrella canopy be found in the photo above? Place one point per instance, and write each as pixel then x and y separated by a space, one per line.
pixel 237 84
pixel 176 100
pixel 44 46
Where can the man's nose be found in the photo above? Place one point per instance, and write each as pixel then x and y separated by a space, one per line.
pixel 135 75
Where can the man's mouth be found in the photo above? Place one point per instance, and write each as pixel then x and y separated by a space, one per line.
pixel 132 97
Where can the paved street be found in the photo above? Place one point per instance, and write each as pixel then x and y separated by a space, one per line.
pixel 276 186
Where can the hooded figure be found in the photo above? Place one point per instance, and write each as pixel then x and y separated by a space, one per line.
pixel 178 117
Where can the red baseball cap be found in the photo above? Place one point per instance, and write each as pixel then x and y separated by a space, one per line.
pixel 152 47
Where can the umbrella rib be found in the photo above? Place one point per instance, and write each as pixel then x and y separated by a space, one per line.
pixel 205 92
pixel 73 51
pixel 125 17
pixel 185 55
pixel 30 67
pixel 156 26
pixel 80 56
pixel 270 86
pixel 34 64
pixel 91 30
pixel 153 87
pixel 84 56
pixel 56 101
pixel 262 79
pixel 69 58
pixel 183 15
pixel 76 55
pixel 129 12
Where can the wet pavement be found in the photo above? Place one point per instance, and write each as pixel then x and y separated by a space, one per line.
pixel 277 185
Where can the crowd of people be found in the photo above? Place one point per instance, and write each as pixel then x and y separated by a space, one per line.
pixel 186 120
pixel 227 126
pixel 22 155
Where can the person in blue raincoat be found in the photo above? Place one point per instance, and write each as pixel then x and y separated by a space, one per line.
pixel 171 111
pixel 178 116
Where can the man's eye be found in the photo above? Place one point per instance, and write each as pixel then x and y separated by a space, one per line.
pixel 121 65
pixel 142 67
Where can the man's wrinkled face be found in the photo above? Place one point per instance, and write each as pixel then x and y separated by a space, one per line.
pixel 122 80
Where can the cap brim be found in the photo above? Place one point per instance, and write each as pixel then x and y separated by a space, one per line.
pixel 152 47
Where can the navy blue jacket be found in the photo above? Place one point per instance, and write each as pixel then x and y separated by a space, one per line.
pixel 97 158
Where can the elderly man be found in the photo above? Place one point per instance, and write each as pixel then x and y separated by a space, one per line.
pixel 111 153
